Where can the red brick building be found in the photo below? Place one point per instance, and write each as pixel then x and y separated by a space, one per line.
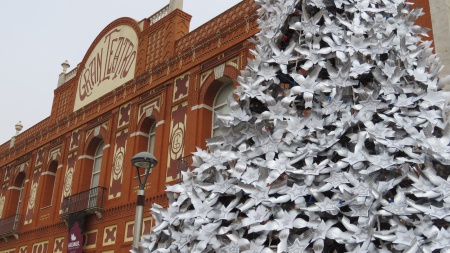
pixel 148 85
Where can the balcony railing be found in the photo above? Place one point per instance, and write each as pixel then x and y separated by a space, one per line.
pixel 159 15
pixel 9 225
pixel 71 74
pixel 90 201
pixel 184 164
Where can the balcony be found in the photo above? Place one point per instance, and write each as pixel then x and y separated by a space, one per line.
pixel 184 164
pixel 9 226
pixel 90 201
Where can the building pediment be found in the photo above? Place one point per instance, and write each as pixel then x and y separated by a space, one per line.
pixel 109 62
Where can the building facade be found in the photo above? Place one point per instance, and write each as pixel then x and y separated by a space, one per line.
pixel 142 86
pixel 440 19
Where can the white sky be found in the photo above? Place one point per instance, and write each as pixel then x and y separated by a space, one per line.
pixel 37 36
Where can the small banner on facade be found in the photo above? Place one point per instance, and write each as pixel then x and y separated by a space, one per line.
pixel 75 238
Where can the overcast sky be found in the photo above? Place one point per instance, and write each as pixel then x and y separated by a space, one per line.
pixel 37 36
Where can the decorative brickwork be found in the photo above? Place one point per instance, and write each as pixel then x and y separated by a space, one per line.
pixel 109 235
pixel 40 247
pixel 124 115
pixel 115 186
pixel 181 87
pixel 54 155
pixel 32 199
pixel 39 157
pixel 129 228
pixel 13 250
pixel 58 246
pixel 149 108
pixel 177 140
pixel 98 131
pixel 90 239
pixel 68 177
pixel 74 139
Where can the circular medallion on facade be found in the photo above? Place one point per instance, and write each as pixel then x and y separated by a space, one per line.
pixel 118 163
pixel 177 141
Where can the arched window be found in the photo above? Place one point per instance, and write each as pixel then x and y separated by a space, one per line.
pixel 19 200
pixel 146 135
pixel 16 195
pixel 145 138
pixel 151 139
pixel 92 162
pixel 220 105
pixel 49 184
pixel 97 166
pixel 95 179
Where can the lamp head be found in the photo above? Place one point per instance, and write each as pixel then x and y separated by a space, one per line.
pixel 144 160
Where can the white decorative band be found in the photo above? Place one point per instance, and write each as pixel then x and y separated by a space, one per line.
pixel 196 107
pixel 85 157
pixel 14 188
pixel 160 123
pixel 106 146
pixel 138 134
pixel 48 173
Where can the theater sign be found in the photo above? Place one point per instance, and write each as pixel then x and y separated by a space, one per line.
pixel 110 64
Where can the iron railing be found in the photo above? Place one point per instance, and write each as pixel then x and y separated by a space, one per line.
pixel 90 201
pixel 184 164
pixel 9 225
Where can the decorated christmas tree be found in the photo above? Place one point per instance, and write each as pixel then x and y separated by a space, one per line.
pixel 337 141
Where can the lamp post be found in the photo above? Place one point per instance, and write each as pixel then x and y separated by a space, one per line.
pixel 144 162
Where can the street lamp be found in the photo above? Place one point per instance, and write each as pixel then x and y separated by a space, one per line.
pixel 144 162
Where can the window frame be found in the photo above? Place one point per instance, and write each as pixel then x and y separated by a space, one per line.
pixel 49 185
pixel 222 107
pixel 97 164
pixel 151 139
pixel 20 198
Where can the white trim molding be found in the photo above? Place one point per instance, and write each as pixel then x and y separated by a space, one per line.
pixel 201 106
pixel 48 173
pixel 85 157
pixel 138 134
pixel 160 123
pixel 14 188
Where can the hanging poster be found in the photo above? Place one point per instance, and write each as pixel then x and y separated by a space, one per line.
pixel 75 236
